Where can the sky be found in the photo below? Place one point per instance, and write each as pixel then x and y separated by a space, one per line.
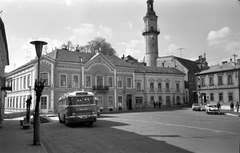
pixel 188 28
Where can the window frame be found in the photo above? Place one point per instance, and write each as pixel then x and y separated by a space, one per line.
pixel 60 84
pixel 127 83
pixel 73 81
pixel 90 81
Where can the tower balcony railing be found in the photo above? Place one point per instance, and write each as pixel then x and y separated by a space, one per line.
pixel 146 31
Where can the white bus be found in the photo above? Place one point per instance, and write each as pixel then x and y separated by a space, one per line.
pixel 77 107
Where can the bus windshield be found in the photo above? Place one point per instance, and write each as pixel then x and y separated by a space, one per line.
pixel 86 100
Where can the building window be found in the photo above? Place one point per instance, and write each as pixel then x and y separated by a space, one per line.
pixel 167 87
pixel 88 80
pixel 120 101
pixel 20 83
pixel 100 101
pixel 230 97
pixel 24 82
pixel 100 80
pixel 229 79
pixel 110 81
pixel 159 86
pixel 44 77
pixel 16 102
pixel 211 81
pixel 63 80
pixel 152 99
pixel 202 81
pixel 220 96
pixel 220 82
pixel 110 101
pixel 151 86
pixel 129 83
pixel 17 84
pixel 24 103
pixel 138 87
pixel 177 87
pixel 211 97
pixel 119 82
pixel 75 80
pixel 160 99
pixel 28 80
pixel 43 102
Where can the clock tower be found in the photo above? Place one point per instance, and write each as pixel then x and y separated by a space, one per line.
pixel 151 32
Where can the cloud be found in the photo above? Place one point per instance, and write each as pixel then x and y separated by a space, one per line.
pixel 128 24
pixel 132 43
pixel 84 30
pixel 223 39
pixel 131 48
pixel 103 31
pixel 218 37
pixel 167 37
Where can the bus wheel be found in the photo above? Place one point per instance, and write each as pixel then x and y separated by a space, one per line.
pixel 65 121
pixel 60 121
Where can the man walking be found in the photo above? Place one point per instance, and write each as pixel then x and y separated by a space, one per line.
pixel 237 106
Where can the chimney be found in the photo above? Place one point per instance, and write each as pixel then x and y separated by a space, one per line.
pixel 224 62
pixel 200 58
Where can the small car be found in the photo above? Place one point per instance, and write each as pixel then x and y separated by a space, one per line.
pixel 212 109
pixel 196 107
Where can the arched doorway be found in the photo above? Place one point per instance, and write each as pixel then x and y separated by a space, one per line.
pixel 129 102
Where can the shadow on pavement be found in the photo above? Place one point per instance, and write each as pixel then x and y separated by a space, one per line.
pixel 104 136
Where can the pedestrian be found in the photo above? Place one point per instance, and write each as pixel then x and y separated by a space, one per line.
pixel 154 104
pixel 159 104
pixel 237 106
pixel 231 106
pixel 218 106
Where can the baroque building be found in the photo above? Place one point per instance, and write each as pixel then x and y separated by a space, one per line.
pixel 117 84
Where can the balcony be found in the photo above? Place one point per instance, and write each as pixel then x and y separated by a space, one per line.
pixel 149 31
pixel 5 84
pixel 102 89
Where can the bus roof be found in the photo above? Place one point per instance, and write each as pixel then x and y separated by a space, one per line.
pixel 76 94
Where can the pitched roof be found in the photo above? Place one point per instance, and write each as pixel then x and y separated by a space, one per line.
pixel 73 56
pixel 220 68
pixel 190 65
pixel 160 70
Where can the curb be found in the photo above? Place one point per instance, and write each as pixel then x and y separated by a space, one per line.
pixel 232 114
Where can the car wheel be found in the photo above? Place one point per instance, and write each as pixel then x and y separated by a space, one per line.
pixel 65 121
pixel 59 118
pixel 90 123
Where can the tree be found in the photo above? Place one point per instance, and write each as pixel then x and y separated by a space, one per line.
pixel 99 44
pixel 68 46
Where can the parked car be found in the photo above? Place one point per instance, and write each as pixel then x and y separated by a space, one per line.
pixel 203 107
pixel 211 109
pixel 196 107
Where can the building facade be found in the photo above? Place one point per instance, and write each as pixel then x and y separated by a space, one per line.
pixel 220 83
pixel 4 61
pixel 110 78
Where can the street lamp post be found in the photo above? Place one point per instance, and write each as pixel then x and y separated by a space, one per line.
pixel 39 85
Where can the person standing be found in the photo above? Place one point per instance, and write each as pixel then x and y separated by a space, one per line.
pixel 218 106
pixel 237 106
pixel 159 104
pixel 231 106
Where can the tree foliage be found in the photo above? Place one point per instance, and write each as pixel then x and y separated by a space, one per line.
pixel 98 44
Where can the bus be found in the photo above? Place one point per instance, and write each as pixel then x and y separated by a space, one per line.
pixel 77 107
